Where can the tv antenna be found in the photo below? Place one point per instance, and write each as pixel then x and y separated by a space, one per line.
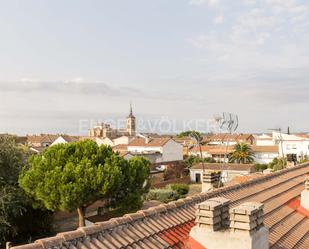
pixel 229 123
pixel 279 138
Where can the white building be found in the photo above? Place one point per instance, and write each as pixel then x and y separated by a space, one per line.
pixel 64 139
pixel 122 140
pixel 165 149
pixel 228 170
pixel 262 154
pixel 266 153
pixel 264 140
pixel 292 144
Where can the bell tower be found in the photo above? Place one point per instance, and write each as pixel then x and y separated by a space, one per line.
pixel 131 122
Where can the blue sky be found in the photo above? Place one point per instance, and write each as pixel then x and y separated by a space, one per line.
pixel 63 61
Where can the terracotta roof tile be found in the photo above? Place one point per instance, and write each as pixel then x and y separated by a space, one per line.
pixel 153 142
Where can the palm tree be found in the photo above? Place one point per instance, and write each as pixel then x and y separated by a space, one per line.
pixel 242 154
pixel 198 138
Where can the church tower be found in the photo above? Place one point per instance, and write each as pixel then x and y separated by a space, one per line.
pixel 131 123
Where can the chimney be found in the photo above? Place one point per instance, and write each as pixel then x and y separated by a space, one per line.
pixel 210 180
pixel 304 201
pixel 240 227
pixel 213 214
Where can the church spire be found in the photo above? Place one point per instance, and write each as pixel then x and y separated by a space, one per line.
pixel 131 122
pixel 131 112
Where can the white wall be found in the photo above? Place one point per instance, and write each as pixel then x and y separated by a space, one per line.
pixel 265 157
pixel 59 140
pixel 264 140
pixel 292 144
pixel 122 140
pixel 141 149
pixel 197 153
pixel 105 141
pixel 172 151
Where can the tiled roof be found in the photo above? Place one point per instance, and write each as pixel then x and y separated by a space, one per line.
pixel 153 142
pixel 225 166
pixel 265 148
pixel 70 139
pixel 228 137
pixel 222 149
pixel 120 147
pixel 214 149
pixel 168 225
pixel 43 138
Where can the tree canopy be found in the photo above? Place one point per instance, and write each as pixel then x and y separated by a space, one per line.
pixel 188 133
pixel 135 183
pixel 72 176
pixel 242 154
pixel 15 207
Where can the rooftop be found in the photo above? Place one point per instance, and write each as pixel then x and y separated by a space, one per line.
pixel 220 149
pixel 168 225
pixel 225 166
pixel 152 142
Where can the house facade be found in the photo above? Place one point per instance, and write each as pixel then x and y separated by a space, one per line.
pixel 164 149
pixel 228 171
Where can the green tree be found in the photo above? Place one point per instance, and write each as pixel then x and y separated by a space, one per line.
pixel 192 160
pixel 15 207
pixel 187 134
pixel 11 160
pixel 242 154
pixel 72 176
pixel 134 185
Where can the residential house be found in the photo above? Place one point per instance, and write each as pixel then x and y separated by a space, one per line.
pixel 160 149
pixel 228 139
pixel 264 140
pixel 262 154
pixel 217 152
pixel 228 171
pixel 265 154
pixel 297 145
pixel 41 141
pixel 64 139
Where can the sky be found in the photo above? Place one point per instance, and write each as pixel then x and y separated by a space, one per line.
pixel 67 64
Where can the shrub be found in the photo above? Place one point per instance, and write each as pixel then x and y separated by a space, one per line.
pixel 192 160
pixel 278 164
pixel 260 167
pixel 180 188
pixel 162 195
